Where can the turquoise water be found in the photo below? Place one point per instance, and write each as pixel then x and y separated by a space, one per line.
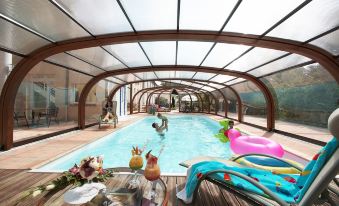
pixel 187 137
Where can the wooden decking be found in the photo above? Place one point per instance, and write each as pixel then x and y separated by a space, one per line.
pixel 14 182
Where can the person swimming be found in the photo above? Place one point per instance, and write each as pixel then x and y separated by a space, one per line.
pixel 158 129
pixel 164 121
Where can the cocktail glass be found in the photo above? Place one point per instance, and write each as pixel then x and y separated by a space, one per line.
pixel 152 173
pixel 136 163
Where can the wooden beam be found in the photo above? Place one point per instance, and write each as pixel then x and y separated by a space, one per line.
pixel 19 72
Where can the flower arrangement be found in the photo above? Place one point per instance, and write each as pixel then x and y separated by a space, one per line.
pixel 90 169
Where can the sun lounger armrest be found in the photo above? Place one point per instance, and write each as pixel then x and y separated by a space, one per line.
pixel 264 155
pixel 255 183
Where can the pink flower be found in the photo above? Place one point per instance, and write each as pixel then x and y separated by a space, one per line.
pixel 74 170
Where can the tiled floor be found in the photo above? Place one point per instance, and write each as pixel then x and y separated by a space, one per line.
pixel 39 153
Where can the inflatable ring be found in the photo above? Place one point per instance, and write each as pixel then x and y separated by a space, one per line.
pixel 253 144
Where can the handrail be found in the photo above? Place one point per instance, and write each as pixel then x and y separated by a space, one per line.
pixel 255 183
pixel 264 155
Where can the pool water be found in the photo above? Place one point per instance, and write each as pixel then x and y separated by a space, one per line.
pixel 188 136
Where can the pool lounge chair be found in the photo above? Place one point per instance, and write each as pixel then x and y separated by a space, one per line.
pixel 113 121
pixel 305 189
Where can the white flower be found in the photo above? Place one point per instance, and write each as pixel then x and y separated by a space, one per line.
pixel 50 187
pixel 36 193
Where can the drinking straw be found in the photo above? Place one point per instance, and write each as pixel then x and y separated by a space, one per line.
pixel 161 149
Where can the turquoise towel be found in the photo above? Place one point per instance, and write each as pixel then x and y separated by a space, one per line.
pixel 290 188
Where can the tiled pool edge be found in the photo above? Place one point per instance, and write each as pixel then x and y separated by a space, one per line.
pixel 36 167
pixel 286 148
pixel 9 159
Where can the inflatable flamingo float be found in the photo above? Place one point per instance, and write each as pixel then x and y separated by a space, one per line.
pixel 253 144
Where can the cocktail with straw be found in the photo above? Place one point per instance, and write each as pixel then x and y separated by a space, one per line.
pixel 152 171
pixel 136 163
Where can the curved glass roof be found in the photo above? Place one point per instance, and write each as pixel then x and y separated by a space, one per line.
pixel 23 31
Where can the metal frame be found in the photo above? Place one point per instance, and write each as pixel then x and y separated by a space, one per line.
pixel 112 93
pixel 148 89
pixel 25 65
pixel 184 89
pixel 240 114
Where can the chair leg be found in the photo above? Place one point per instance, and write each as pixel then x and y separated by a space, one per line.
pixel 26 122
pixel 49 120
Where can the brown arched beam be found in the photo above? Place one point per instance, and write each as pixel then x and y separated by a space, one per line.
pixel 115 90
pixel 112 93
pixel 193 81
pixel 19 72
pixel 258 83
pixel 189 94
pixel 163 90
pixel 209 101
pixel 184 86
pixel 218 90
pixel 147 89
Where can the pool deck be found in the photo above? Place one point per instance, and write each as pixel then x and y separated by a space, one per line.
pixel 38 153
pixel 14 182
pixel 15 164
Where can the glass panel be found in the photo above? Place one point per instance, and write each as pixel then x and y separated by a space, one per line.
pixel 323 15
pixel 127 77
pixel 7 63
pixel 232 103
pixel 305 97
pixel 204 15
pixel 95 102
pixel 196 85
pixel 166 74
pixel 329 42
pixel 69 61
pixel 161 52
pixel 186 82
pixel 222 78
pixel 222 54
pixel 176 81
pixel 192 53
pixel 184 74
pixel 16 39
pixel 257 16
pixel 253 103
pixel 216 85
pixel 152 14
pixel 48 91
pixel 146 75
pixel 43 17
pixel 203 76
pixel 98 57
pixel 115 80
pixel 106 16
pixel 280 64
pixel 253 58
pixel 237 80
pixel 130 53
pixel 208 88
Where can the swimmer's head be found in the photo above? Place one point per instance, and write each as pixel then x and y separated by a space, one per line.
pixel 154 125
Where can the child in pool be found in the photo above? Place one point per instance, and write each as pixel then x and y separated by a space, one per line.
pixel 160 129
pixel 164 121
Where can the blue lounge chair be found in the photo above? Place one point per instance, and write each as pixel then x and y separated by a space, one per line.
pixel 284 189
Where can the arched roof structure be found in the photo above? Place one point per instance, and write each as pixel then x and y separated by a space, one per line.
pixel 124 42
